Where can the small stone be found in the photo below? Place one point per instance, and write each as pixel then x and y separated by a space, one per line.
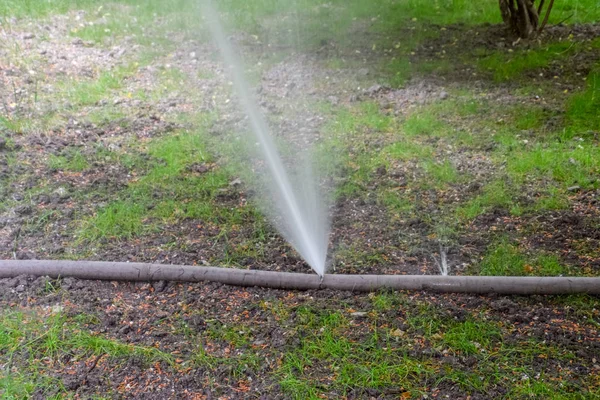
pixel 125 330
pixel 193 54
pixel 444 95
pixel 71 383
pixel 359 314
pixel 397 333
pixel 56 309
pixel 160 286
pixel 20 289
pixel 62 193
pixel 23 210
pixel 199 168
pixel 374 89
pixel 25 255
pixel 43 199
pixel 12 283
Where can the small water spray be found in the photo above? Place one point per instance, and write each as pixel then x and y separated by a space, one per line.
pixel 299 208
pixel 442 262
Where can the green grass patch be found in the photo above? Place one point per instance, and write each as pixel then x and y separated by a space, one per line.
pixel 396 202
pixel 86 92
pixel 34 341
pixel 408 149
pixel 167 193
pixel 507 66
pixel 566 164
pixel 120 219
pixel 506 259
pixel 73 161
pixel 36 8
pixel 471 336
pixel 495 194
pixel 369 364
pixel 424 123
pixel 583 109
pixel 440 174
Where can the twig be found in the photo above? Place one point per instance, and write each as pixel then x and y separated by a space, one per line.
pixel 547 16
pixel 540 6
pixel 569 17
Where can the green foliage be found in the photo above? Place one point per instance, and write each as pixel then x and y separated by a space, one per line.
pixel 424 123
pixel 494 194
pixel 507 66
pixel 470 337
pixel 85 92
pixel 45 339
pixel 120 219
pixel 504 258
pixel 568 164
pixel 356 366
pixel 73 161
pixel 405 150
pixel 583 108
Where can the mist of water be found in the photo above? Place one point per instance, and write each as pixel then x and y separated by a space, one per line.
pixel 293 199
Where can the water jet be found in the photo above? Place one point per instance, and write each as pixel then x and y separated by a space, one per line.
pixel 298 207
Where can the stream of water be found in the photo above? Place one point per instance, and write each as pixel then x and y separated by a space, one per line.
pixel 297 206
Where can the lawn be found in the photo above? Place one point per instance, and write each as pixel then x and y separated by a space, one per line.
pixel 430 128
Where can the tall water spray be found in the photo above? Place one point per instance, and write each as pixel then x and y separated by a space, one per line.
pixel 299 210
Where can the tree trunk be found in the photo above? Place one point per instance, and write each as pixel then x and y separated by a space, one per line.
pixel 520 16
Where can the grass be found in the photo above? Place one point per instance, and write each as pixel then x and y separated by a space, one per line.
pixel 440 174
pixel 74 161
pixel 507 66
pixel 472 337
pixel 504 258
pixel 405 150
pixel 400 345
pixel 43 339
pixel 495 194
pixel 167 193
pixel 569 165
pixel 423 124
pixel 581 106
pixel 362 366
pixel 382 355
pixel 86 92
